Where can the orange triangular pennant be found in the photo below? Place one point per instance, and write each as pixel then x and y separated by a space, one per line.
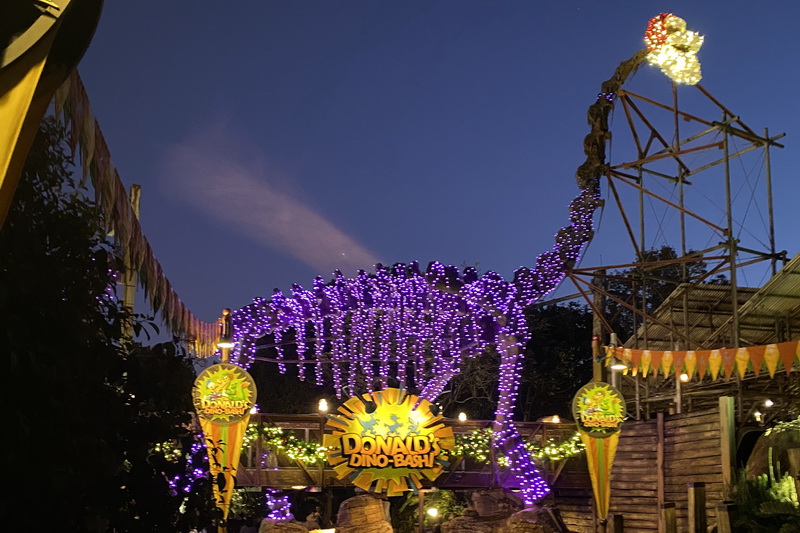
pixel 728 361
pixel 787 350
pixel 677 362
pixel 636 360
pixel 655 360
pixel 757 357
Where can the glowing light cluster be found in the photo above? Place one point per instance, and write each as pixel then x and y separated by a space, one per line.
pixel 673 48
pixel 195 466
pixel 280 508
pixel 170 450
pixel 288 445
pixel 477 443
pixel 372 325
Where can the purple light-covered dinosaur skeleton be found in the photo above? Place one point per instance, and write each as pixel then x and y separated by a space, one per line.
pixel 419 326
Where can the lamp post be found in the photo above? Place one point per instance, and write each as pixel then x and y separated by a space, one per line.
pixel 225 343
pixel 225 331
pixel 323 411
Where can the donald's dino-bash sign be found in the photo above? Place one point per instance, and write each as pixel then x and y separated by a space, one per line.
pixel 599 410
pixel 386 441
pixel 223 395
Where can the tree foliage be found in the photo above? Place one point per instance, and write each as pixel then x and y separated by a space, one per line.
pixel 557 361
pixel 85 409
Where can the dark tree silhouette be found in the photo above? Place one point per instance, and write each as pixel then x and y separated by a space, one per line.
pixel 84 409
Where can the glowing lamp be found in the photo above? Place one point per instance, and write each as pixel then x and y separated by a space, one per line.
pixel 323 405
pixel 684 377
pixel 768 403
pixel 462 416
pixel 618 365
pixel 433 512
pixel 225 330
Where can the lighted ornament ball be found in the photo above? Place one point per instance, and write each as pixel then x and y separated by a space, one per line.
pixel 673 48
pixel 656 34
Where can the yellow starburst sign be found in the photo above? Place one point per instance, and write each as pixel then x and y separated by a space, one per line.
pixel 387 441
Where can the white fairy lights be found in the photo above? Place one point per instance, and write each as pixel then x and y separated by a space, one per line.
pixel 673 48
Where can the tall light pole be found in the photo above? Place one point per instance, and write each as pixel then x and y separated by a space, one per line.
pixel 225 330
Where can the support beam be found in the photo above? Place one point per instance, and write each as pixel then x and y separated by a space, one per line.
pixel 727 442
pixel 697 507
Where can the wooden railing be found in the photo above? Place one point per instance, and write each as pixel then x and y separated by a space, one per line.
pixel 262 467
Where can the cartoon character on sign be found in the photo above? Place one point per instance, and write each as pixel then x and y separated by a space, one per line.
pixel 224 393
pixel 217 390
pixel 599 408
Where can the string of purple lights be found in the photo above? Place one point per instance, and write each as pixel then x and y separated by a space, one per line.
pixel 425 323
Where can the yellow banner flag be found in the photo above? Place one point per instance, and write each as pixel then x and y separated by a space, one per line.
pixel 223 395
pixel 600 458
pixel 224 445
pixel 599 410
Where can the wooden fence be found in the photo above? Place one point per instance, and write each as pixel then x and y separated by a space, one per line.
pixel 656 460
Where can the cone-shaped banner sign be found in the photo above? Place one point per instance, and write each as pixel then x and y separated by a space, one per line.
pixel 223 396
pixel 599 409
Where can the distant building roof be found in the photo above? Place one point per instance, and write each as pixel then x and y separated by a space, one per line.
pixel 766 315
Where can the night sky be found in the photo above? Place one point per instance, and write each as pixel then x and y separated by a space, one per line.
pixel 279 140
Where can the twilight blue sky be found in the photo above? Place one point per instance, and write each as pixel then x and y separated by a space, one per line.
pixel 278 140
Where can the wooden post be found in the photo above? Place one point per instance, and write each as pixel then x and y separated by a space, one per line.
pixel 494 476
pixel 669 518
pixel 129 277
pixel 726 512
pixel 616 523
pixel 727 442
pixel 697 507
pixel 328 507
pixel 660 485
pixel 599 301
pixel 794 466
pixel 321 440
pixel 421 511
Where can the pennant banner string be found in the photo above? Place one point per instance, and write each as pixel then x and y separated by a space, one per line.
pixel 86 139
pixel 711 364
